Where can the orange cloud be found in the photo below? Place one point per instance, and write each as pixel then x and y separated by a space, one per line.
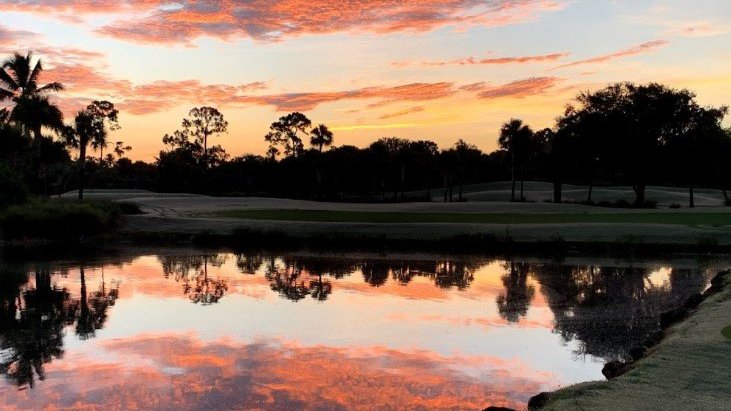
pixel 515 89
pixel 163 94
pixel 489 61
pixel 181 371
pixel 403 112
pixel 181 22
pixel 643 48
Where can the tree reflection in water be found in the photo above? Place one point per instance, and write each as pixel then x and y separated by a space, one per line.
pixel 192 272
pixel 514 302
pixel 92 309
pixel 32 322
pixel 286 280
pixel 608 310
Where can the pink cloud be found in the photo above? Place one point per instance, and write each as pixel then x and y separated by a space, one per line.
pixel 516 89
pixel 181 371
pixel 10 39
pixel 400 113
pixel 488 61
pixel 181 22
pixel 643 48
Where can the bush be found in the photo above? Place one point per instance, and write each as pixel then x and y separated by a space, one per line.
pixel 674 206
pixel 59 219
pixel 12 187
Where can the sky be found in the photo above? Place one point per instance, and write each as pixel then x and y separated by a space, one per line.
pixel 441 70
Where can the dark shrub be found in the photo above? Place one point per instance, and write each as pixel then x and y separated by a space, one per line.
pixel 59 219
pixel 13 189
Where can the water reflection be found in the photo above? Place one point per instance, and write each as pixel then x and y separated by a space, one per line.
pixel 513 303
pixel 192 273
pixel 414 331
pixel 33 318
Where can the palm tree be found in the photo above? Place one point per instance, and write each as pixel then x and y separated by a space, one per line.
pixel 90 125
pixel 321 137
pixel 98 144
pixel 19 83
pixel 515 138
pixel 35 112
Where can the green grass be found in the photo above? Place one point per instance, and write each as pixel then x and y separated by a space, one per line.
pixel 712 219
pixel 726 332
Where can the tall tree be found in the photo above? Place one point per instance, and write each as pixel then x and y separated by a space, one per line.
pixel 202 123
pixel 515 138
pixel 285 132
pixel 696 150
pixel 321 137
pixel 396 151
pixel 90 124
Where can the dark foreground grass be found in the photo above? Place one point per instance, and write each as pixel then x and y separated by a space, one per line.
pixel 56 219
pixel 684 218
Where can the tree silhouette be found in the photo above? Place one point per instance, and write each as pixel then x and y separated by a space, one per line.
pixel 285 132
pixel 467 156
pixel 321 137
pixel 395 151
pixel 90 125
pixel 120 149
pixel 515 139
pixel 203 123
pixel 696 149
pixel 19 83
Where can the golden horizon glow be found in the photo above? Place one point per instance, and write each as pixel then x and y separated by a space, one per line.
pixel 435 69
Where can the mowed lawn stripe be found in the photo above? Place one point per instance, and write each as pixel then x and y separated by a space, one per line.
pixel 684 218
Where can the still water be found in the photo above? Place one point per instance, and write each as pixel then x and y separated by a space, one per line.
pixel 201 330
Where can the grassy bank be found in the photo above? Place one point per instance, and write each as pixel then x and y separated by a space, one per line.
pixel 56 219
pixel 684 218
pixel 689 369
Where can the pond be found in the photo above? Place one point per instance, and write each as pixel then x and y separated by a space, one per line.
pixel 186 329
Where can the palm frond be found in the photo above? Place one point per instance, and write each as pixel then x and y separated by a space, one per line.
pixel 5 94
pixel 50 87
pixel 21 68
pixel 33 76
pixel 7 80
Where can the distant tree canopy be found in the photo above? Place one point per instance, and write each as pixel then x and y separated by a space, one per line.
pixel 623 134
pixel 626 130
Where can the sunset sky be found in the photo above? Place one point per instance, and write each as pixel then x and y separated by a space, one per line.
pixel 428 69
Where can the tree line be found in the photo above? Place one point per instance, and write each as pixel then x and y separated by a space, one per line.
pixel 623 134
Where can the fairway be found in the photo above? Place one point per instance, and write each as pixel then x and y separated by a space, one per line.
pixel 708 219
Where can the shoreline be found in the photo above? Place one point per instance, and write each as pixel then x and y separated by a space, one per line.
pixel 685 365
